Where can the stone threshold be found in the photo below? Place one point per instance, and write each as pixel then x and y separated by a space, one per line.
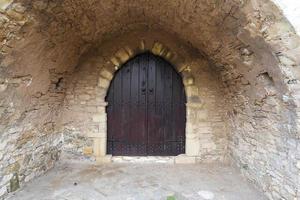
pixel 180 159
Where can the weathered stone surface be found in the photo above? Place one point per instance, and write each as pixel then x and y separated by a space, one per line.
pixel 88 151
pixel 207 195
pixel 5 3
pixel 104 159
pixel 143 181
pixel 143 159
pixel 243 101
pixel 184 159
pixel 14 183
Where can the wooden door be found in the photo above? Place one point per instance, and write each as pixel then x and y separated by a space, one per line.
pixel 146 109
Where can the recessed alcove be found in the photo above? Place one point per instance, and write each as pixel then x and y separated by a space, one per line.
pixel 237 60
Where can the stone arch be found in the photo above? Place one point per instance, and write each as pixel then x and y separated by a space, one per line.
pixel 177 85
pixel 201 90
pixel 121 56
pixel 246 42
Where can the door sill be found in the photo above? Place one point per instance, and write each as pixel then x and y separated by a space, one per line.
pixel 180 159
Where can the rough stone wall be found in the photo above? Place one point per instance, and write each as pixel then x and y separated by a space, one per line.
pixel 259 141
pixel 208 123
pixel 264 139
pixel 85 116
pixel 83 98
pixel 32 85
pixel 250 43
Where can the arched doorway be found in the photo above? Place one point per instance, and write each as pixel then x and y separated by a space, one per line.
pixel 146 111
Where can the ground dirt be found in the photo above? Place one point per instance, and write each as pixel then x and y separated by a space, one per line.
pixel 136 181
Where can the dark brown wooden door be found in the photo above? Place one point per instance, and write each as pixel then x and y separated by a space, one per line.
pixel 146 109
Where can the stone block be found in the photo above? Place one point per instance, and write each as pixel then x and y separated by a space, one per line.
pixel 102 127
pixel 129 51
pixel 192 90
pixel 104 159
pixel 202 115
pixel 97 135
pixel 168 55
pixel 88 150
pixel 191 136
pixel 190 130
pixel 101 109
pixel 84 97
pixel 115 61
pixel 157 48
pixel 143 159
pixel 184 159
pixel 99 147
pixel 205 129
pixel 192 146
pixel 99 118
pixel 142 45
pixel 103 83
pixel 188 81
pixel 106 74
pixel 207 145
pixel 204 124
pixel 123 55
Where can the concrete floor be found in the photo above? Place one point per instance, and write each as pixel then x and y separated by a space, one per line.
pixel 127 181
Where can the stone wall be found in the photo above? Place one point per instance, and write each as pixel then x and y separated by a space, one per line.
pixel 264 135
pixel 85 117
pixel 32 89
pixel 29 145
pixel 251 54
pixel 262 140
pixel 83 100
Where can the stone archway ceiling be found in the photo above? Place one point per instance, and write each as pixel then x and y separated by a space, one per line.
pixel 242 38
pixel 248 42
pixel 236 35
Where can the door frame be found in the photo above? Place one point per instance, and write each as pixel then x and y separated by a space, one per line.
pixel 192 146
pixel 177 146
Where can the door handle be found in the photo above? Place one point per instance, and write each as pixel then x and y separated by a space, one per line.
pixel 143 91
pixel 151 90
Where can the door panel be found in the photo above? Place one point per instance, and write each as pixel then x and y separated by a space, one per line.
pixel 146 109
